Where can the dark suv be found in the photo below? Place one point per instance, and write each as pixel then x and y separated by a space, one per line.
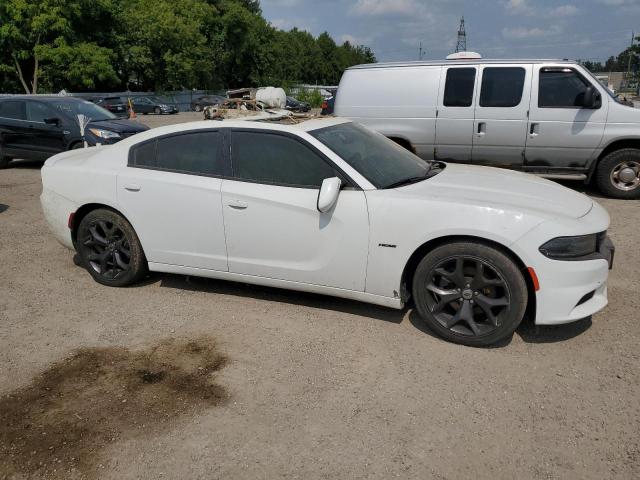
pixel 115 105
pixel 37 127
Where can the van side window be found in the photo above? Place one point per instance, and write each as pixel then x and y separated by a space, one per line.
pixel 561 88
pixel 502 87
pixel 13 109
pixel 458 89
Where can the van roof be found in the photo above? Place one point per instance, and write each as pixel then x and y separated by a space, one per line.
pixel 432 63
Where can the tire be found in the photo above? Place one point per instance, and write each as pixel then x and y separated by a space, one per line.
pixel 197 108
pixel 470 293
pixel 4 162
pixel 109 249
pixel 615 174
pixel 157 111
pixel 77 145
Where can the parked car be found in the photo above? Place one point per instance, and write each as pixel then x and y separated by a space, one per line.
pixel 328 206
pixel 36 127
pixel 116 105
pixel 198 104
pixel 551 118
pixel 328 105
pixel 296 105
pixel 145 105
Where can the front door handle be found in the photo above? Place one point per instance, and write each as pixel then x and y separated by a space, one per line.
pixel 238 205
pixel 482 129
pixel 132 187
pixel 534 130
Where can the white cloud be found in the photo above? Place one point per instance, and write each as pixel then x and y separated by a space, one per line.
pixel 564 11
pixel 524 32
pixel 386 7
pixel 519 7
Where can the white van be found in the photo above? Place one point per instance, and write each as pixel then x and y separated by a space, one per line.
pixel 549 117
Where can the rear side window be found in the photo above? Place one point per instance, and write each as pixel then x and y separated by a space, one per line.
pixel 458 89
pixel 13 109
pixel 561 88
pixel 197 153
pixel 37 112
pixel 277 159
pixel 502 87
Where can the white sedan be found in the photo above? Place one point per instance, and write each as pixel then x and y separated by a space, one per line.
pixel 330 207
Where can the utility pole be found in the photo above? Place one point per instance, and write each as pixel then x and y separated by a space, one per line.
pixel 461 46
pixel 420 51
pixel 633 35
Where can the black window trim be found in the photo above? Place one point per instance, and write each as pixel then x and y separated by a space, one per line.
pixel 492 67
pixel 224 152
pixel 562 69
pixel 349 185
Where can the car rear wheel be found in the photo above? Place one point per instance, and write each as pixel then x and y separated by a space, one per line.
pixel 618 174
pixel 470 293
pixel 109 249
pixel 4 161
pixel 157 111
pixel 197 108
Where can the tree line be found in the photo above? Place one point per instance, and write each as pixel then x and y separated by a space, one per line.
pixel 159 45
pixel 627 59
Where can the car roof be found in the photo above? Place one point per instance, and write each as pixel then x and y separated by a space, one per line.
pixel 474 61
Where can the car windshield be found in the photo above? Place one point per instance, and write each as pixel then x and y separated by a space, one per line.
pixel 381 161
pixel 88 109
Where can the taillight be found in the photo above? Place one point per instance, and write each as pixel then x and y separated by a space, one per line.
pixel 325 105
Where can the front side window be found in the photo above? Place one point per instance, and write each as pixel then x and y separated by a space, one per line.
pixel 277 159
pixel 502 87
pixel 458 89
pixel 561 88
pixel 197 153
pixel 13 109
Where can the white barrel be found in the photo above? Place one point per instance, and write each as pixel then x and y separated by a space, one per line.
pixel 272 97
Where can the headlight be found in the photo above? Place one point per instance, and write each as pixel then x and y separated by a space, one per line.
pixel 569 248
pixel 98 132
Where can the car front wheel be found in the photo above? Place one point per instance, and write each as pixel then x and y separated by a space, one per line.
pixel 618 174
pixel 109 249
pixel 470 293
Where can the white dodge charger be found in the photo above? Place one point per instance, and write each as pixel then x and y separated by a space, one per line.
pixel 330 207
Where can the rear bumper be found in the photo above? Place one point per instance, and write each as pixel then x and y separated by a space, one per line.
pixel 56 210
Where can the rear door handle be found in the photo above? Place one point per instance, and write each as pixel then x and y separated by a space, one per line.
pixel 132 187
pixel 482 129
pixel 238 205
pixel 534 130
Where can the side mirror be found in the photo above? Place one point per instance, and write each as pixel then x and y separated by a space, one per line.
pixel 591 98
pixel 52 121
pixel 328 194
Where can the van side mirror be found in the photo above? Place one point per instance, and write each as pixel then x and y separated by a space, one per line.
pixel 52 121
pixel 328 194
pixel 591 98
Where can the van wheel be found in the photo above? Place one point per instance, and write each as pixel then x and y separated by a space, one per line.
pixel 4 161
pixel 109 249
pixel 470 293
pixel 618 174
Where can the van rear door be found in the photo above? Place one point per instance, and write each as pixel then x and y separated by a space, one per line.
pixel 454 123
pixel 500 124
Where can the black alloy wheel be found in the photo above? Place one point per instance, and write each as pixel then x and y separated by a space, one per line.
pixel 109 249
pixel 470 293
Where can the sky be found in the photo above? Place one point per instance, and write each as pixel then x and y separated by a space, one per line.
pixel 574 29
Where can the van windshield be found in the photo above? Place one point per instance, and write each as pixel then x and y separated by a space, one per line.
pixel 381 161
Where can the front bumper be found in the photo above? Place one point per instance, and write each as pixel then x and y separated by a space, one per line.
pixel 570 290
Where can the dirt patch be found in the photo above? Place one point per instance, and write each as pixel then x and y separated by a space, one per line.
pixel 56 426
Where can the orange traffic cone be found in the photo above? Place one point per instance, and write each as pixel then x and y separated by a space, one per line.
pixel 132 113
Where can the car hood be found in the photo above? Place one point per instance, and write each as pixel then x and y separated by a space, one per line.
pixel 502 188
pixel 119 125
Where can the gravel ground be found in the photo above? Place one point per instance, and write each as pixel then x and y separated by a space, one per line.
pixel 302 386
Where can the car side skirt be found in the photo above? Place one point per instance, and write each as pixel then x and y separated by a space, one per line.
pixel 390 302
